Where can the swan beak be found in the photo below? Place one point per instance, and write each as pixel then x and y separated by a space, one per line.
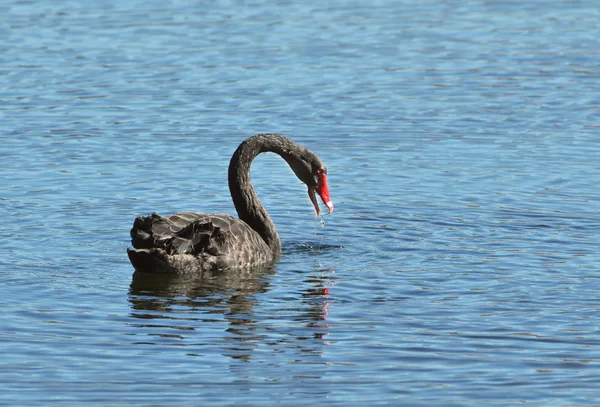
pixel 323 192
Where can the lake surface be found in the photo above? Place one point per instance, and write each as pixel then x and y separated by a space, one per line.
pixel 460 267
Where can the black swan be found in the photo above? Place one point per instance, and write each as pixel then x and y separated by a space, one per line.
pixel 196 242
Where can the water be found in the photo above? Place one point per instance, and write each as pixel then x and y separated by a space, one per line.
pixel 459 268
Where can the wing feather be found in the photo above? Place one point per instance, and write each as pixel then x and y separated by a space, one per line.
pixel 217 241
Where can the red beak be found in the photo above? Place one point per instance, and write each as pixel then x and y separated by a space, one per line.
pixel 323 192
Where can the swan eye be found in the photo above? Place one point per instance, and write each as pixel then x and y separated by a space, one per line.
pixel 317 176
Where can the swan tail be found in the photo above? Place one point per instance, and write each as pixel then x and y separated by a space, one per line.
pixel 148 260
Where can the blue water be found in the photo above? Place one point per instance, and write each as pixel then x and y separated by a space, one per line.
pixel 460 266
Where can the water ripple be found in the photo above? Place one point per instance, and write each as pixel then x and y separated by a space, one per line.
pixel 461 260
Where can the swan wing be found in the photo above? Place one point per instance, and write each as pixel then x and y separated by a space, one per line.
pixel 220 240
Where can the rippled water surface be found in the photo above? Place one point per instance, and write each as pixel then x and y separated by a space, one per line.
pixel 459 268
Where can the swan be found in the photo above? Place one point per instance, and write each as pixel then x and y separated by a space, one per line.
pixel 192 242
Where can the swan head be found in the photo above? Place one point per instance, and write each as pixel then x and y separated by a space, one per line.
pixel 311 171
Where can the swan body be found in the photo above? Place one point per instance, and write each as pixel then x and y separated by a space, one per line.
pixel 193 242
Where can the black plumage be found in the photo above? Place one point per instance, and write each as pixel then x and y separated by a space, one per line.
pixel 194 242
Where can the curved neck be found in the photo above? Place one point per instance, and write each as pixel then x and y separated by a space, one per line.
pixel 249 208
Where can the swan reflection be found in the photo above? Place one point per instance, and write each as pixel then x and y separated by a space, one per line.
pixel 164 292
pixel 236 311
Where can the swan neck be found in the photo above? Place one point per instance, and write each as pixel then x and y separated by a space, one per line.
pixel 247 204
